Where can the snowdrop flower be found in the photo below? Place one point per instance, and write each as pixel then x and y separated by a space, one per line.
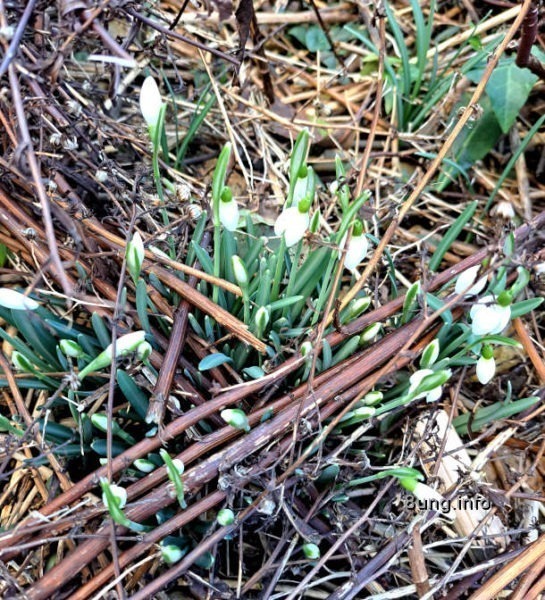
pixel 486 365
pixel 489 317
pixel 467 279
pixel 416 379
pixel 357 248
pixel 228 210
pixel 16 301
pixel 293 223
pixel 150 101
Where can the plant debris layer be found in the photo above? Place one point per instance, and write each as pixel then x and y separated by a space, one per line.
pixel 411 100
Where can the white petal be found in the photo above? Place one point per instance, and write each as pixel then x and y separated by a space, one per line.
pixel 486 368
pixel 16 301
pixel 435 394
pixel 293 224
pixel 229 214
pixel 503 314
pixel 284 219
pixel 356 252
pixel 150 101
pixel 485 319
pixel 466 279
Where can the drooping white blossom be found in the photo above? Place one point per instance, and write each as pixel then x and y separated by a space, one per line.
pixel 293 224
pixel 356 251
pixel 489 317
pixel 486 369
pixel 229 214
pixel 466 279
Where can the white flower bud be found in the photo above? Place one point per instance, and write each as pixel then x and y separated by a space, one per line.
pixel 467 279
pixel 486 369
pixel 150 101
pixel 16 301
pixel 293 224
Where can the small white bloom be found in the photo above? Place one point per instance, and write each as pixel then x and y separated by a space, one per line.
pixel 467 279
pixel 11 299
pixel 293 224
pixel 488 317
pixel 356 251
pixel 150 101
pixel 486 368
pixel 229 214
pixel 120 495
pixel 416 378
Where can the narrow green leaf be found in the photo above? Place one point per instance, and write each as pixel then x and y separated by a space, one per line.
pixel 451 235
pixel 213 360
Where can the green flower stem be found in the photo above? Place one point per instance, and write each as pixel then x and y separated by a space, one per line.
pixel 218 183
pixel 293 274
pixel 279 270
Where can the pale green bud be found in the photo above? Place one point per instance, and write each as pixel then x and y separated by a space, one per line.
pixel 357 306
pixel 225 517
pixel 143 351
pixel 71 348
pixel 125 345
pixel 261 319
pixel 373 398
pixel 171 553
pixel 144 465
pixel 241 274
pixel 135 256
pixel 370 333
pixel 311 551
pixel 306 348
pixel 236 418
pixel 21 362
pixel 430 354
